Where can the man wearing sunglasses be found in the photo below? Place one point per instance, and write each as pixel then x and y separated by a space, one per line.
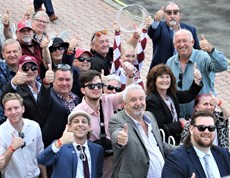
pixel 161 32
pixel 72 152
pixel 25 84
pixel 198 157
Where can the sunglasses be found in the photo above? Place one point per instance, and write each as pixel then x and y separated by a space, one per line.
pixel 82 154
pixel 60 48
pixel 63 67
pixel 174 12
pixel 202 128
pixel 111 87
pixel 92 86
pixel 82 59
pixel 99 33
pixel 22 135
pixel 27 68
pixel 179 84
pixel 41 21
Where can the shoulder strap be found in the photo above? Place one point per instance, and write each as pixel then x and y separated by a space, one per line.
pixel 102 134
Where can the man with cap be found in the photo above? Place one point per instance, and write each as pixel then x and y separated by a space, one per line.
pixel 29 45
pixel 25 84
pixel 71 153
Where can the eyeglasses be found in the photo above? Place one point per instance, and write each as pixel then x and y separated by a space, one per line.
pixel 27 68
pixel 82 154
pixel 179 84
pixel 41 21
pixel 92 86
pixel 111 87
pixel 99 33
pixel 60 48
pixel 202 128
pixel 174 12
pixel 82 59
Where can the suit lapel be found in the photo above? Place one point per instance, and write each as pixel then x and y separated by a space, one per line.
pixel 27 91
pixel 93 158
pixel 74 159
pixel 218 160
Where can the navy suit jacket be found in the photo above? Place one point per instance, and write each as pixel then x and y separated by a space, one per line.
pixel 162 40
pixel 183 161
pixel 65 160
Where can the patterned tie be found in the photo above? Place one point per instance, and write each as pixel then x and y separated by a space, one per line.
pixel 85 165
pixel 207 167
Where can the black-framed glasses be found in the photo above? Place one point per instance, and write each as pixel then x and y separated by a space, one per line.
pixel 82 155
pixel 111 87
pixel 179 84
pixel 60 48
pixel 42 21
pixel 82 59
pixel 202 128
pixel 27 68
pixel 92 86
pixel 174 12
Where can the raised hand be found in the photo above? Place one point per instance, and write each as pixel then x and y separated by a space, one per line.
pixel 20 77
pixel 122 137
pixel 49 76
pixel 44 43
pixel 148 22
pixel 28 12
pixel 205 45
pixel 128 68
pixel 160 14
pixel 74 42
pixel 193 175
pixel 6 18
pixel 197 74
pixel 214 100
pixel 2 161
pixel 67 136
pixel 17 142
pixel 116 27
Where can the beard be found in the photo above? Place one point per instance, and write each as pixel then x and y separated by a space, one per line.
pixel 200 142
pixel 173 22
pixel 27 40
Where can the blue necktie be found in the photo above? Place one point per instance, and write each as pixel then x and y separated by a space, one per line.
pixel 207 167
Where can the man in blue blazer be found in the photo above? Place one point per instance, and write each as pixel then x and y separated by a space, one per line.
pixel 73 150
pixel 190 159
pixel 161 33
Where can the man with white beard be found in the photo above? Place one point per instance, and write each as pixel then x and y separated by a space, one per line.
pixel 29 46
pixel 161 33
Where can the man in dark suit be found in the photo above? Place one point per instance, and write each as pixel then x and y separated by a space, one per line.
pixel 190 159
pixel 137 144
pixel 161 33
pixel 70 154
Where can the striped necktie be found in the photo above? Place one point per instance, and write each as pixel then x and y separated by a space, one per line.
pixel 207 166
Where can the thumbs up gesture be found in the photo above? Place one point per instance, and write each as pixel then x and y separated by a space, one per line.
pixel 128 68
pixel 17 142
pixel 49 76
pixel 197 74
pixel 67 136
pixel 122 137
pixel 205 45
pixel 20 77
pixel 6 18
pixel 160 14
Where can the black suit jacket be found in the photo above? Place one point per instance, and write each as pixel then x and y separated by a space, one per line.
pixel 54 114
pixel 162 40
pixel 183 161
pixel 156 105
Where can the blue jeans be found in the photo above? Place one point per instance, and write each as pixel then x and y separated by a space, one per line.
pixel 48 5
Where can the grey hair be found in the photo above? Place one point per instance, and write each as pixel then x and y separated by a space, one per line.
pixel 39 14
pixel 169 3
pixel 133 86
pixel 183 31
pixel 110 77
pixel 9 42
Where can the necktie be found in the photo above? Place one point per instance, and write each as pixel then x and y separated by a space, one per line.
pixel 207 167
pixel 85 165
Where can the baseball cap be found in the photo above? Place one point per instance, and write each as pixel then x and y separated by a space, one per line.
pixel 77 113
pixel 24 24
pixel 27 59
pixel 80 51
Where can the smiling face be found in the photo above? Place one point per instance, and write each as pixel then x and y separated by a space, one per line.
pixel 57 55
pixel 83 65
pixel 101 44
pixel 25 36
pixel 128 55
pixel 172 15
pixel 80 126
pixel 30 74
pixel 163 82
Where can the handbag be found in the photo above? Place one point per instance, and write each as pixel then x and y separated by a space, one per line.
pixel 103 141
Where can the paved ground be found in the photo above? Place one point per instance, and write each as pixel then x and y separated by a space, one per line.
pixel 82 17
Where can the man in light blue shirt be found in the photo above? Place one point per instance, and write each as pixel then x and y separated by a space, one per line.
pixel 208 60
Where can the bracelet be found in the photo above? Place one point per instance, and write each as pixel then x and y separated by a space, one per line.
pixel 45 82
pixel 11 148
pixel 59 142
pixel 219 104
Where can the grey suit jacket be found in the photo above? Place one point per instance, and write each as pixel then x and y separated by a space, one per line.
pixel 132 160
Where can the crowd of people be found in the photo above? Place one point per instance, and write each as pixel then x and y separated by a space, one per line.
pixel 86 113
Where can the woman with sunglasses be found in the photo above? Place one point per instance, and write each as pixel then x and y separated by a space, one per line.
pixel 112 84
pixel 163 98
pixel 222 113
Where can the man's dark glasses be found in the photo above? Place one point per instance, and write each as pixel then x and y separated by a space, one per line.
pixel 111 87
pixel 202 128
pixel 27 68
pixel 174 12
pixel 99 33
pixel 179 84
pixel 82 154
pixel 55 49
pixel 92 86
pixel 63 67
pixel 82 59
